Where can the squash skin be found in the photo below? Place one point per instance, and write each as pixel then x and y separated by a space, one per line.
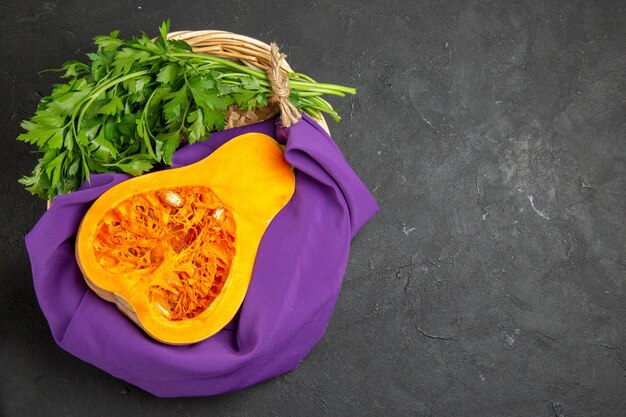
pixel 250 176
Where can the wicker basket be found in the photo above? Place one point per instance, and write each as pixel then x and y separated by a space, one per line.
pixel 241 49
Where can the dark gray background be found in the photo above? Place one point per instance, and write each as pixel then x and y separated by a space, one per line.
pixel 491 133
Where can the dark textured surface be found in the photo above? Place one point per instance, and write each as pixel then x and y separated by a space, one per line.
pixel 491 283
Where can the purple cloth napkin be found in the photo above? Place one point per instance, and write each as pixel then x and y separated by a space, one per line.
pixel 297 276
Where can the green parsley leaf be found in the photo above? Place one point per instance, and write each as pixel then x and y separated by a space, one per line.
pixel 168 73
pixel 135 165
pixel 197 129
pixel 113 107
pixel 166 145
pixel 109 43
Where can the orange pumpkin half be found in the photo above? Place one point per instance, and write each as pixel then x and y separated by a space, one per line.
pixel 174 250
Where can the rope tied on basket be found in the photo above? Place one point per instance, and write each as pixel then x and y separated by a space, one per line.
pixel 280 88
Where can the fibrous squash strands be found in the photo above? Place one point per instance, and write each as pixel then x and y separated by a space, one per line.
pixel 181 240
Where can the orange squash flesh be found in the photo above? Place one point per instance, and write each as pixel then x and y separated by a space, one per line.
pixel 174 249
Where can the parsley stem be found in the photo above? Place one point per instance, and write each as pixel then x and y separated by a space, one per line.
pixel 336 90
pixel 226 62
pixel 146 127
pixel 309 93
pixel 300 75
pixel 305 83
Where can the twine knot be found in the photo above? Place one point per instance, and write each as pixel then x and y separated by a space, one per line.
pixel 280 88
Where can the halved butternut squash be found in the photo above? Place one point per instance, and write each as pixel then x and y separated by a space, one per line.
pixel 174 250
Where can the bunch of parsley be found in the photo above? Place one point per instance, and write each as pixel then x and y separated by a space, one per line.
pixel 130 107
